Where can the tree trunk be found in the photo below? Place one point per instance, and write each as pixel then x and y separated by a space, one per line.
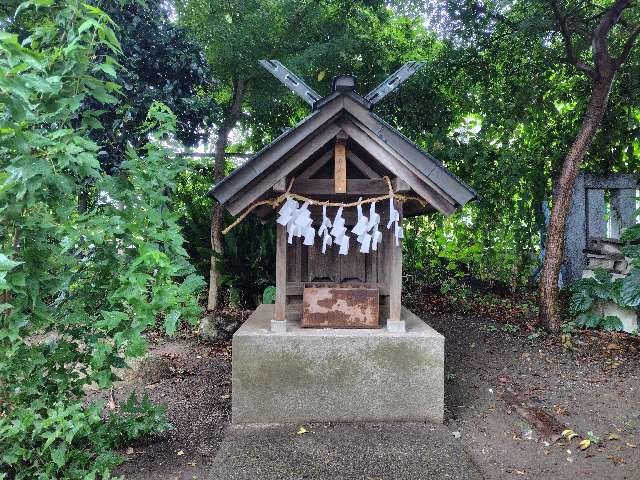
pixel 229 121
pixel 549 294
pixel 602 73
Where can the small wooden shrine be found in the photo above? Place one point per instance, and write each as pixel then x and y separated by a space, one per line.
pixel 341 183
pixel 334 163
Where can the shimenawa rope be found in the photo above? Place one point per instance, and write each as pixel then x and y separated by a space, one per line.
pixel 274 202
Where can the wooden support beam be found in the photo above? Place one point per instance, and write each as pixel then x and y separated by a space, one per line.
pixel 395 275
pixel 266 180
pixel 316 165
pixel 264 162
pixel 362 166
pixel 281 274
pixel 340 172
pixel 412 173
pixel 435 175
pixel 389 160
pixel 323 187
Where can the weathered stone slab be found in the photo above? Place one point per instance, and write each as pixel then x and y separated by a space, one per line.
pixel 406 451
pixel 304 375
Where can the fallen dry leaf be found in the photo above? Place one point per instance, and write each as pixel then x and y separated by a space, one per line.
pixel 613 436
pixel 180 453
pixel 569 434
pixel 301 431
pixel 130 451
pixel 584 444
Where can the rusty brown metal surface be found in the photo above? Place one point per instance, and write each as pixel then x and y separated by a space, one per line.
pixel 340 307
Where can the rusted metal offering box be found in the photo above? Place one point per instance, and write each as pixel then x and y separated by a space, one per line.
pixel 340 307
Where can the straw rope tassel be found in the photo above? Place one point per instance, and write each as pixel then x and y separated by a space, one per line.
pixel 275 202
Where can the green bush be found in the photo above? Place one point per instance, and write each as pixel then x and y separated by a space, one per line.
pixel 624 292
pixel 88 261
pixel 247 265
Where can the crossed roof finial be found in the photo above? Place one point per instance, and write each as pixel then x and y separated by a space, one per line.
pixel 309 95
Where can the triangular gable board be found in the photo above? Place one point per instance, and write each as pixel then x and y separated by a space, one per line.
pixel 348 112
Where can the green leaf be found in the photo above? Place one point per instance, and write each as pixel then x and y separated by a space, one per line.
pixel 137 346
pixel 580 302
pixel 111 319
pixel 7 264
pixel 87 24
pixel 108 69
pixel 601 275
pixel 101 351
pixel 630 292
pixel 269 295
pixel 58 455
pixel 611 323
pixel 631 234
pixel 171 322
pixel 588 320
pixel 632 251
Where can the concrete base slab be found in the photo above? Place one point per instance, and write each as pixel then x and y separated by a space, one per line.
pixel 354 452
pixel 278 326
pixel 304 375
pixel 396 326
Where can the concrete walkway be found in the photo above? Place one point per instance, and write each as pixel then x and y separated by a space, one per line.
pixel 336 452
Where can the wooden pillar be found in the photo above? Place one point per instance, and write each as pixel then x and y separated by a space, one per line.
pixel 340 163
pixel 395 283
pixel 281 274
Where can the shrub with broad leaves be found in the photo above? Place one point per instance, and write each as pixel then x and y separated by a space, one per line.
pixel 602 287
pixel 88 261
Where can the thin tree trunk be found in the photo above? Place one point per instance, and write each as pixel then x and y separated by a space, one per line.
pixel 232 116
pixel 602 74
pixel 549 294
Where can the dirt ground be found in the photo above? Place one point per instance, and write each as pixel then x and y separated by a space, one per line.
pixel 592 387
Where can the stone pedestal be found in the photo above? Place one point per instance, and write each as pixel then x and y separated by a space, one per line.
pixel 303 375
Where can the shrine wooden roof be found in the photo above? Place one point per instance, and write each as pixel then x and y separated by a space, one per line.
pixel 343 111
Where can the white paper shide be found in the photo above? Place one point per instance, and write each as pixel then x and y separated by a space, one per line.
pixel 297 220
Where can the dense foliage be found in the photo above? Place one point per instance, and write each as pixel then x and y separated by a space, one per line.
pixel 248 266
pixel 498 104
pixel 99 217
pixel 159 61
pixel 88 261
